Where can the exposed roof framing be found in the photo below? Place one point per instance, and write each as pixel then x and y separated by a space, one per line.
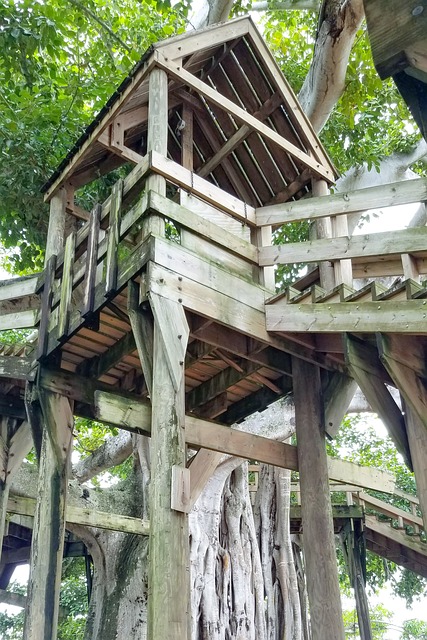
pixel 249 135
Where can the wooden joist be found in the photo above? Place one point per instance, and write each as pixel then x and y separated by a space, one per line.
pixel 88 517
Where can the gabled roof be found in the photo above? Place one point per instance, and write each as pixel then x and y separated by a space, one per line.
pixel 226 76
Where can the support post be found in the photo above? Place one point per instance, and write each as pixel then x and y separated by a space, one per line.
pixel 15 444
pixel 354 553
pixel 41 619
pixel 318 527
pixel 157 140
pixel 323 229
pixel 168 608
pixel 57 219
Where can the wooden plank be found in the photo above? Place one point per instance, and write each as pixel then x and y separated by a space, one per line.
pixel 190 42
pixel 143 333
pixel 113 239
pixel 19 287
pixel 180 489
pixel 389 509
pixel 368 317
pixel 356 474
pixel 85 517
pixel 46 302
pixel 202 466
pixel 91 261
pixel 182 75
pixel 338 395
pixel 387 195
pixel 417 437
pixel 17 367
pixel 19 320
pixel 56 228
pixel 168 574
pixel 203 227
pixel 175 173
pixel 319 544
pixel 411 240
pixel 66 286
pixel 169 255
pixel 410 384
pixel 380 400
pixel 394 27
pixel 49 523
pixel 170 317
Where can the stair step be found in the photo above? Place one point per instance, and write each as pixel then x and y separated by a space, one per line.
pixel 310 295
pixel 337 294
pixel 368 293
pixel 402 291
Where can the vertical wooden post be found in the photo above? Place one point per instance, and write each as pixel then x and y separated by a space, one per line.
pixel 169 547
pixel 56 229
pixel 41 619
pixel 354 552
pixel 318 527
pixel 157 140
pixel 417 436
pixel 15 444
pixel 324 230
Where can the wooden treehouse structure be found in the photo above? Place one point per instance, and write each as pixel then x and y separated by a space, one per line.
pixel 179 335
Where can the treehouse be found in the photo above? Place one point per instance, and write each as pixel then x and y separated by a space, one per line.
pixel 156 312
pixel 397 32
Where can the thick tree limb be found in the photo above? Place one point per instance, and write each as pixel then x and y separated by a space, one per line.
pixel 338 24
pixel 114 451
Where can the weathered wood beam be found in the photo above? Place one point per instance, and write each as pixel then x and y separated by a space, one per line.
pixel 181 74
pixel 16 367
pixel 379 398
pixel 386 195
pixel 175 173
pixel 203 227
pixel 49 524
pixel 85 517
pixel 241 134
pixel 417 436
pixel 168 545
pixel 413 240
pixel 19 287
pixel 349 317
pixel 338 394
pixel 406 378
pixel 134 414
pixel 319 545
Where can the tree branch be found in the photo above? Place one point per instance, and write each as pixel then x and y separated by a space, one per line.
pixel 114 451
pixel 101 23
pixel 286 5
pixel 339 21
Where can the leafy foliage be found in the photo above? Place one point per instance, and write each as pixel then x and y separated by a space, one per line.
pixel 59 63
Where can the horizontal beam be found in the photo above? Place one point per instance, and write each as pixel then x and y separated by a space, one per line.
pixel 386 195
pixel 17 367
pixel 367 317
pixel 86 517
pixel 411 241
pixel 19 287
pixel 202 188
pixel 136 414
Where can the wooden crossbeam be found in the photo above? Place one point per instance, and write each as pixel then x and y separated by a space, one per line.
pixel 88 517
pixel 386 195
pixel 388 243
pixel 368 317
